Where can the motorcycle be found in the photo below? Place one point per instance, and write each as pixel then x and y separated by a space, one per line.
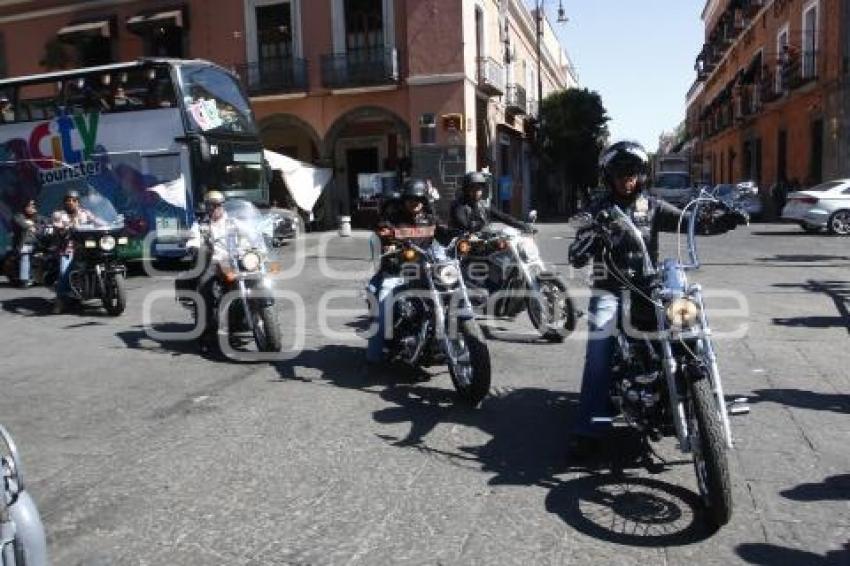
pixel 665 378
pixel 42 258
pixel 246 274
pixel 432 320
pixel 505 263
pixel 97 271
pixel 22 538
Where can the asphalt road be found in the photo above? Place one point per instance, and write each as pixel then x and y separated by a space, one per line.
pixel 140 451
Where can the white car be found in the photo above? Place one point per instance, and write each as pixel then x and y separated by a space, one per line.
pixel 823 206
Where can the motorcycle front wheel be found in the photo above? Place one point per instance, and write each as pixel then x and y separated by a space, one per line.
pixel 469 363
pixel 709 449
pixel 266 329
pixel 557 318
pixel 115 295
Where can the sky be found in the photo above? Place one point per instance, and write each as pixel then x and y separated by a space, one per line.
pixel 639 56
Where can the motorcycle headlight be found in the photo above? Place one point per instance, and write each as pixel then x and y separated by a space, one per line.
pixel 123 241
pixel 250 262
pixel 91 244
pixel 682 313
pixel 447 275
pixel 107 243
pixel 409 255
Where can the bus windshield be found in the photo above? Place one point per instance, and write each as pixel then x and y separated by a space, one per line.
pixel 214 101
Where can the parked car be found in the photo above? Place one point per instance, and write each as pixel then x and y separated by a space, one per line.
pixel 825 206
pixel 742 195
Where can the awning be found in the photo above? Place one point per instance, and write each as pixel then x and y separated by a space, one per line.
pixel 174 17
pixel 304 182
pixel 98 28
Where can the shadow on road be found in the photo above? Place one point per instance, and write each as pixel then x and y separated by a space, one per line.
pixel 138 335
pixel 771 554
pixel 838 291
pixel 527 430
pixel 802 399
pixel 833 488
pixel 630 510
pixel 28 306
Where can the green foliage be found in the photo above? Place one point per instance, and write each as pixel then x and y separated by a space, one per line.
pixel 575 130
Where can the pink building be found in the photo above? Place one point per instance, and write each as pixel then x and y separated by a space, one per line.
pixel 434 88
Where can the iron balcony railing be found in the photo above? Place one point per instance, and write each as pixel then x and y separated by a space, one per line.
pixel 491 76
pixel 515 99
pixel 360 68
pixel 275 75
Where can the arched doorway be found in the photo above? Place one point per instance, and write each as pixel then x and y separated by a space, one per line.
pixel 289 135
pixel 366 141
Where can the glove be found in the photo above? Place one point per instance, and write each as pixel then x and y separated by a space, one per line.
pixel 584 247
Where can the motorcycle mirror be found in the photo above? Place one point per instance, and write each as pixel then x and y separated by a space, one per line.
pixel 532 216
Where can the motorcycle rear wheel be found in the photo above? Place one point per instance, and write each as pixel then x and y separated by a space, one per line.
pixel 709 449
pixel 472 358
pixel 115 295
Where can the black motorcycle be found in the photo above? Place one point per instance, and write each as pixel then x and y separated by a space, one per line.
pixel 432 319
pixel 665 379
pixel 97 270
pixel 506 276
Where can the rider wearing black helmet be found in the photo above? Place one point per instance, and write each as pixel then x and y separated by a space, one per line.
pixel 624 168
pixel 411 209
pixel 468 212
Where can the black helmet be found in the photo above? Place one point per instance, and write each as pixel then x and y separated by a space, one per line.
pixel 474 178
pixel 623 159
pixel 415 189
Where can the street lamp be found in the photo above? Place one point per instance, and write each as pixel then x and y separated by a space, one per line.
pixel 562 18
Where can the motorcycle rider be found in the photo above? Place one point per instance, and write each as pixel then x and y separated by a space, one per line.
pixel 411 209
pixel 24 238
pixel 69 216
pixel 216 228
pixel 469 213
pixel 624 167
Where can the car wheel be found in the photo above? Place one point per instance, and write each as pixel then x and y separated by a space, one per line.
pixel 839 223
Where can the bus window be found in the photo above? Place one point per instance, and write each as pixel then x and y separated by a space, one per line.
pixel 83 95
pixel 214 101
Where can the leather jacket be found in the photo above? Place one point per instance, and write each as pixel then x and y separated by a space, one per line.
pixel 650 216
pixel 473 217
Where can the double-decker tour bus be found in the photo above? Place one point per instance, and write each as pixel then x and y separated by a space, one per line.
pixel 152 136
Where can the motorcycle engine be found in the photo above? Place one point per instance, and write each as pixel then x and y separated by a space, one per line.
pixel 409 313
pixel 637 382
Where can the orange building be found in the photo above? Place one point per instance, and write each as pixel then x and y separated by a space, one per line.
pixel 771 100
pixel 433 88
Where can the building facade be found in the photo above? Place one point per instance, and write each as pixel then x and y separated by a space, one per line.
pixel 771 100
pixel 431 88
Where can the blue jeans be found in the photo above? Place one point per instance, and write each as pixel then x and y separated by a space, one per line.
pixel 63 286
pixel 594 401
pixel 24 267
pixel 381 286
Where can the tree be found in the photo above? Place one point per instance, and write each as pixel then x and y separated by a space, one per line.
pixel 574 131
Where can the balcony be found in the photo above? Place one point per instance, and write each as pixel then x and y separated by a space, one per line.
pixel 271 76
pixel 360 68
pixel 515 99
pixel 491 76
